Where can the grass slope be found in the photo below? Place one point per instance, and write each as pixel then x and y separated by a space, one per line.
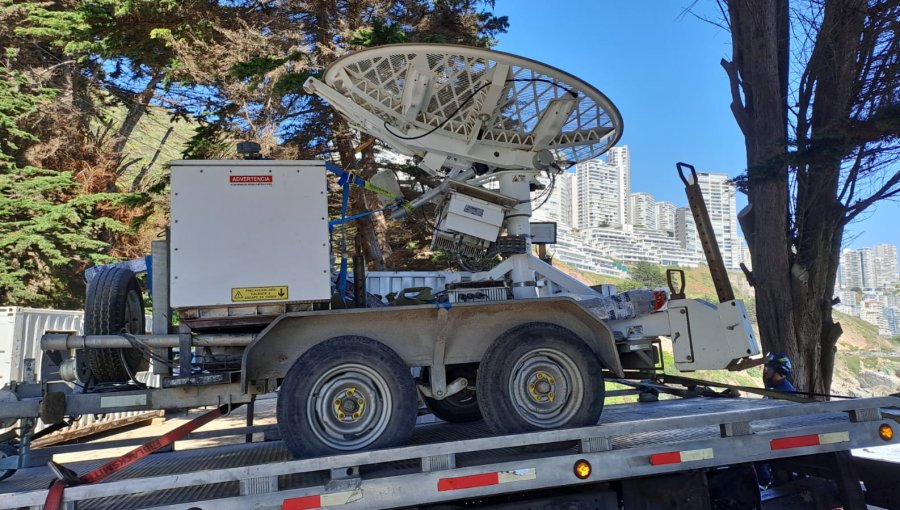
pixel 150 136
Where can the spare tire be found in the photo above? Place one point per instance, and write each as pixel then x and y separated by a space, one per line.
pixel 114 305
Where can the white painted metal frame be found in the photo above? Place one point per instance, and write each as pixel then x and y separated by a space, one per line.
pixel 456 105
pixel 474 105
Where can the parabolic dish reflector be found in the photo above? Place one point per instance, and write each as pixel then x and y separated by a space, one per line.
pixel 462 100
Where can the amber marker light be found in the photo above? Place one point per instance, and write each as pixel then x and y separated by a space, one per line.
pixel 884 432
pixel 582 469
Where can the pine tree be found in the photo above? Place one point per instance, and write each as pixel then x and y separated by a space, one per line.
pixel 50 228
pixel 47 231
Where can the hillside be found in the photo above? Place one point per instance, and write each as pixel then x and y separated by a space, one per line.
pixel 866 364
pixel 155 141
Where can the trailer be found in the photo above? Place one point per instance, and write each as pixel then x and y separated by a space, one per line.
pixel 693 453
pixel 511 351
pixel 262 304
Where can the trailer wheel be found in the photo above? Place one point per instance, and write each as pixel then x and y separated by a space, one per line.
pixel 7 450
pixel 344 394
pixel 460 407
pixel 539 376
pixel 114 304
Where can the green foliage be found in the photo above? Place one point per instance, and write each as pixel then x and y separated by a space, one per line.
pixel 100 67
pixel 379 33
pixel 63 29
pixel 854 365
pixel 644 275
pixel 208 142
pixel 261 65
pixel 17 100
pixel 49 229
pixel 47 232
pixel 292 83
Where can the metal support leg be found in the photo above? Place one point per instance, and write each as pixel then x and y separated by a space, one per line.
pixel 437 374
pixel 184 354
pixel 159 293
pixel 26 429
pixel 250 411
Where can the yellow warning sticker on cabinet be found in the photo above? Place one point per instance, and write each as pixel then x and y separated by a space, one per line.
pixel 244 294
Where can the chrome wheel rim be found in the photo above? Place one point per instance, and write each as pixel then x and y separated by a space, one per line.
pixel 349 407
pixel 546 388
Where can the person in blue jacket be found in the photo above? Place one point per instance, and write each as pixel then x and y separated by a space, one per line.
pixel 777 372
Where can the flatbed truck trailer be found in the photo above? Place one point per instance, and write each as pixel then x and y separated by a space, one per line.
pixel 516 342
pixel 693 453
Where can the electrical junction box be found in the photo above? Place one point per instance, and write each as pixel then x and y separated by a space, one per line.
pixel 248 231
pixel 474 217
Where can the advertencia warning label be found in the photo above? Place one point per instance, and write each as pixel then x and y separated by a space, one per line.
pixel 239 294
pixel 250 180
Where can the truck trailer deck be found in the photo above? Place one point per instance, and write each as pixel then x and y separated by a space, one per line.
pixel 464 462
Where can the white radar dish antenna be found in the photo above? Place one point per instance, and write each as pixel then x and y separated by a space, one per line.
pixel 453 106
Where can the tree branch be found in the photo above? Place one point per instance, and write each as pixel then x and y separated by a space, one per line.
pixel 890 189
pixel 850 182
pixel 737 105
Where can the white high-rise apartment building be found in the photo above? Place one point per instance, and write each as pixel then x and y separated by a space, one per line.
pixel 686 230
pixel 620 157
pixel 558 206
pixel 600 195
pixel 851 275
pixel 718 192
pixel 665 216
pixel 886 265
pixel 872 312
pixel 868 268
pixel 643 210
pixel 891 321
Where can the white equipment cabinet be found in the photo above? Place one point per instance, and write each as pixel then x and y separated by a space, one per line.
pixel 20 339
pixel 247 232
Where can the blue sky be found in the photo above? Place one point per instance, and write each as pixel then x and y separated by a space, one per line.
pixel 660 66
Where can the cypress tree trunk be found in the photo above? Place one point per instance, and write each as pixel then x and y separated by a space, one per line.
pixel 795 238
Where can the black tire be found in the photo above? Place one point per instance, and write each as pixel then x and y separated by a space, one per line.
pixel 530 365
pixel 325 397
pixel 460 407
pixel 7 450
pixel 114 304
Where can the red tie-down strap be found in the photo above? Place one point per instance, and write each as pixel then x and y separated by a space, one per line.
pixel 68 478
